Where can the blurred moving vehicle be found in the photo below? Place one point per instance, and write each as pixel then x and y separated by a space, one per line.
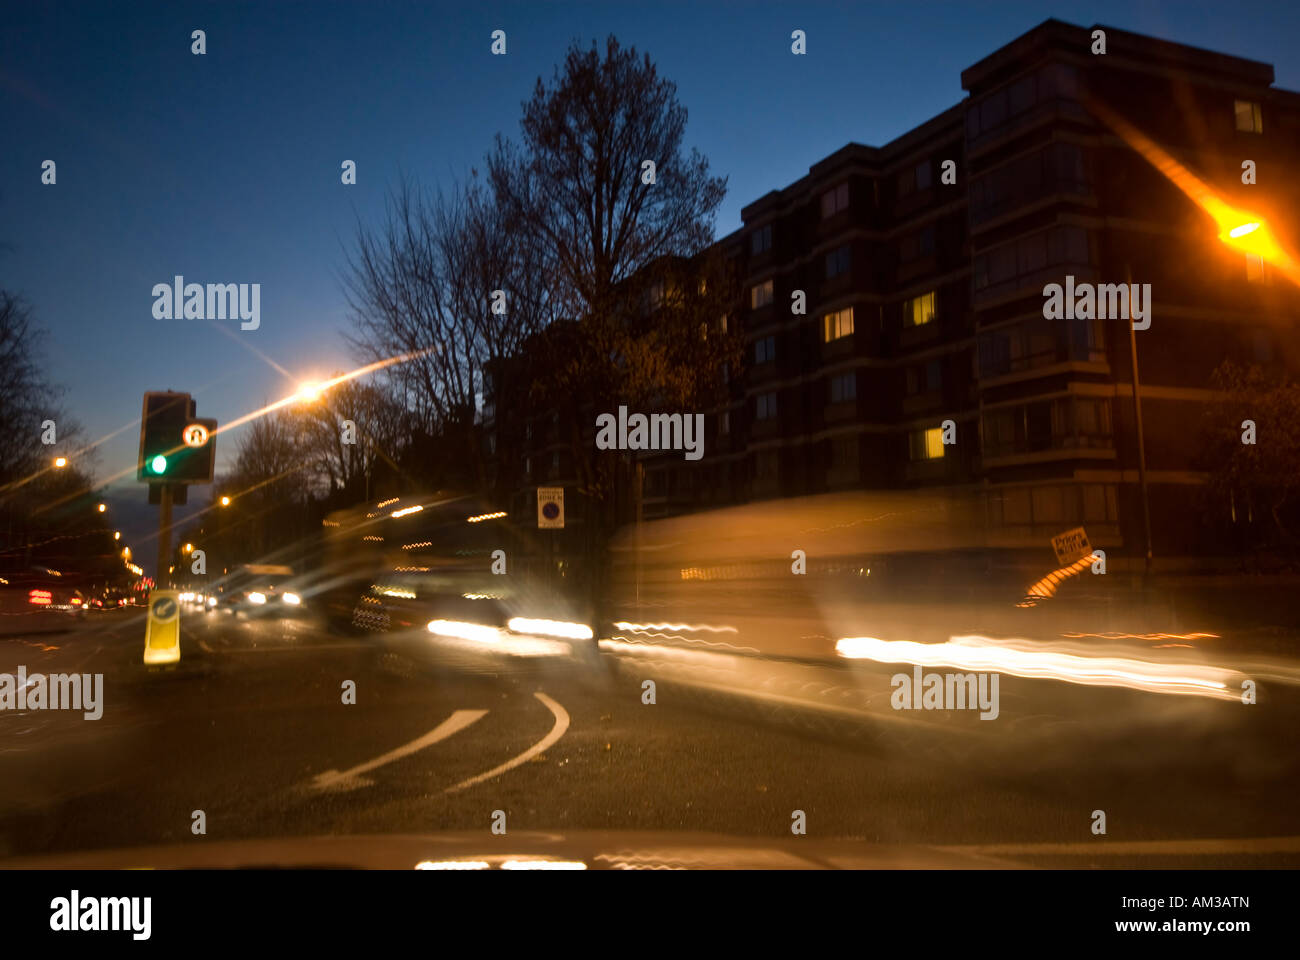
pixel 447 564
pixel 791 577
pixel 258 589
pixel 39 599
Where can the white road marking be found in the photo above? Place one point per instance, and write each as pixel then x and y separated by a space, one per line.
pixel 557 731
pixel 352 779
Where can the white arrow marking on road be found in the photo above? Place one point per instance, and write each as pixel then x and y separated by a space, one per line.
pixel 351 779
pixel 557 731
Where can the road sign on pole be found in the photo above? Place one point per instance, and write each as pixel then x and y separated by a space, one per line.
pixel 1071 545
pixel 550 508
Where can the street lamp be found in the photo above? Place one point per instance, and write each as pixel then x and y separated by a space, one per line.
pixel 189 548
pixel 117 534
pixel 102 507
pixel 225 501
pixel 60 462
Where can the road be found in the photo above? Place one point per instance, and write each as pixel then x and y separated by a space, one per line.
pixel 251 728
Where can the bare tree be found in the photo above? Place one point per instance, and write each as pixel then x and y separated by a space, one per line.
pixel 444 277
pixel 621 216
pixel 27 397
pixel 352 429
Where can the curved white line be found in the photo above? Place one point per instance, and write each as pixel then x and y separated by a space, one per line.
pixel 351 778
pixel 557 731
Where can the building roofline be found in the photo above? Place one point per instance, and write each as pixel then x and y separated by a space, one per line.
pixel 1055 34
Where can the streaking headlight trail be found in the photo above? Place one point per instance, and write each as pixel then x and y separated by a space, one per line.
pixel 1017 659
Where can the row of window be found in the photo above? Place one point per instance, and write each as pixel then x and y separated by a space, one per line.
pixel 1017 263
pixel 1056 80
pixel 917 312
pixel 1054 505
pixel 1039 342
pixel 1056 168
pixel 833 201
pixel 1061 424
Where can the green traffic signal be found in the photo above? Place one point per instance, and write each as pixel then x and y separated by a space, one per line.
pixel 158 464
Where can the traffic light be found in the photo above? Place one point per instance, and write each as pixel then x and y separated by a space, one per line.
pixel 175 446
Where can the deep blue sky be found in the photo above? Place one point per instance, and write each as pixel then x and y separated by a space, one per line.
pixel 225 167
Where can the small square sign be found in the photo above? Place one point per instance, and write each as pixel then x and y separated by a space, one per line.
pixel 550 507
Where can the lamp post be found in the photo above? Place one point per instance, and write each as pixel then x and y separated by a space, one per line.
pixel 1141 442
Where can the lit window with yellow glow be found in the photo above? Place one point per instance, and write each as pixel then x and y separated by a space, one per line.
pixel 919 311
pixel 760 295
pixel 1249 119
pixel 927 444
pixel 837 324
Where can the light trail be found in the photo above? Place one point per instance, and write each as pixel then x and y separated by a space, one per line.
pixel 1024 658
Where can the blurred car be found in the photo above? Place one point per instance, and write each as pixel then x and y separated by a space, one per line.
pixel 39 600
pixel 258 589
pixel 448 566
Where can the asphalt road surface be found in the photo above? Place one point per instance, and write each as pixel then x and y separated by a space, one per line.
pixel 251 728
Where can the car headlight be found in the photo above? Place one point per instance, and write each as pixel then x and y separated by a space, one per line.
pixel 256 597
pixel 212 601
pixel 291 598
pixel 551 628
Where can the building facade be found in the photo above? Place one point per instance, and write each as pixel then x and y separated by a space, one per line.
pixel 894 299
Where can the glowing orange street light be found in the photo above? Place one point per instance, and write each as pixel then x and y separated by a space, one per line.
pixel 117 534
pixel 102 507
pixel 60 462
pixel 225 501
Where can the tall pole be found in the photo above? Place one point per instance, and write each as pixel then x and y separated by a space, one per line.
pixel 1137 415
pixel 165 538
pixel 640 499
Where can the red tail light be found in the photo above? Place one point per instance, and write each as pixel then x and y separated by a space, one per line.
pixel 41 597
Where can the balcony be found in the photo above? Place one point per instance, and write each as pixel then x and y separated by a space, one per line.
pixel 1040 344
pixel 1062 428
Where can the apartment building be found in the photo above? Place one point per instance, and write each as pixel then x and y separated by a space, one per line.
pixel 893 299
pixel 923 263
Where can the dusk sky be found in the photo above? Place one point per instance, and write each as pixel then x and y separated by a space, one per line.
pixel 225 168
